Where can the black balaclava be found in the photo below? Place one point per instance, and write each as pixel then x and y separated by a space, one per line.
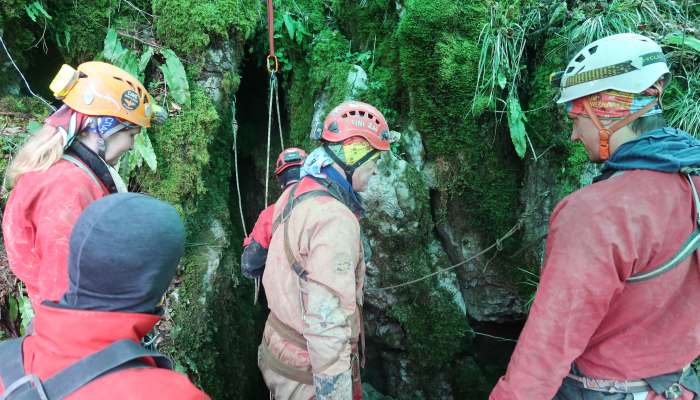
pixel 288 176
pixel 124 251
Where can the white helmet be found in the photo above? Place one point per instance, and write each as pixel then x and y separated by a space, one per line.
pixel 627 62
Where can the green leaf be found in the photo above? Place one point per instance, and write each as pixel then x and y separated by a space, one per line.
pixel 30 12
pixel 33 126
pixel 290 24
pixel 112 47
pixel 679 39
pixel 175 77
pixel 143 146
pixel 145 58
pixel 129 62
pixel 66 35
pixel 516 124
pixel 501 80
pixel 40 9
pixel 25 311
pixel 13 308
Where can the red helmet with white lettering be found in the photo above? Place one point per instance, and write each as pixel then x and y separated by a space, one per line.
pixel 354 118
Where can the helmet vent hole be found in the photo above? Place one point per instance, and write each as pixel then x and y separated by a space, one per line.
pixel 362 113
pixel 580 58
pixel 345 115
pixel 118 78
pixel 592 50
pixel 352 112
pixel 370 116
pixel 568 70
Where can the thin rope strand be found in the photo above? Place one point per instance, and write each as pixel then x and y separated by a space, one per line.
pixel 279 118
pixel 269 133
pixel 234 127
pixel 25 80
pixel 508 234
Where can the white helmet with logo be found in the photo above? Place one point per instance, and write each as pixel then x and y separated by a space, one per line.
pixel 627 62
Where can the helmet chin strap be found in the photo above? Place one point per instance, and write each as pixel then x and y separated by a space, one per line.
pixel 604 133
pixel 101 147
pixel 349 169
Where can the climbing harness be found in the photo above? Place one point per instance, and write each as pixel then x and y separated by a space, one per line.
pixel 669 386
pixel 120 355
pixel 691 244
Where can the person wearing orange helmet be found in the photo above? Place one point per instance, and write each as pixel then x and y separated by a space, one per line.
pixel 315 272
pixel 66 165
pixel 255 245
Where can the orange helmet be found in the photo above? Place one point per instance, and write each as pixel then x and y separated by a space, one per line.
pixel 354 118
pixel 289 158
pixel 98 88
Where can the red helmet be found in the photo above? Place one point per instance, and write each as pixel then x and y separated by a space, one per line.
pixel 354 118
pixel 289 158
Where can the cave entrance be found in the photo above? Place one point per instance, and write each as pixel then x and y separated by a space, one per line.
pixel 252 117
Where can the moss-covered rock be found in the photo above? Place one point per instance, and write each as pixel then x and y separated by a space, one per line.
pixel 189 26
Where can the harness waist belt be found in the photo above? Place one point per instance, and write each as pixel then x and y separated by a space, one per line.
pixel 610 385
pixel 268 359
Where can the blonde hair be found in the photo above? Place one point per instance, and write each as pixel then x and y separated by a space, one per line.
pixel 43 149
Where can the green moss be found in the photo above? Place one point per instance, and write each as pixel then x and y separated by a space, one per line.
pixel 365 22
pixel 435 327
pixel 215 338
pixel 86 24
pixel 181 146
pixel 188 26
pixel 469 380
pixel 324 68
pixel 439 60
pixel 434 324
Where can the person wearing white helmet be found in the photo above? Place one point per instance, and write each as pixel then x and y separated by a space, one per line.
pixel 615 313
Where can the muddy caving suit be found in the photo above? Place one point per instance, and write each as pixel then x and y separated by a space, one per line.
pixel 313 281
pixel 590 321
pixel 87 355
pixel 255 245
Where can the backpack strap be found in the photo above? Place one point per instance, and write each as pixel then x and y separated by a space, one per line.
pixel 84 167
pixel 286 215
pixel 691 244
pixel 12 365
pixel 119 355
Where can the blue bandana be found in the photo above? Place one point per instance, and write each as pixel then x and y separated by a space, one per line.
pixel 665 150
pixel 106 126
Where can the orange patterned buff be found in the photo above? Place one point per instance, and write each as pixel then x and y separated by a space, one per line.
pixel 613 104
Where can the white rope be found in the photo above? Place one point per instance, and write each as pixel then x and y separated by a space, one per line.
pixel 20 74
pixel 279 118
pixel 257 290
pixel 234 127
pixel 496 244
pixel 269 133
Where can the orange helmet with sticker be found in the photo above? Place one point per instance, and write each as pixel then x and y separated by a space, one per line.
pixel 98 88
pixel 355 118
